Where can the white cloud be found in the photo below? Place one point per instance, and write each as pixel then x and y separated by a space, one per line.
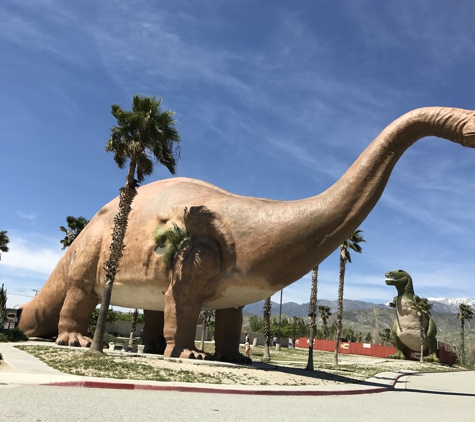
pixel 38 255
pixel 26 216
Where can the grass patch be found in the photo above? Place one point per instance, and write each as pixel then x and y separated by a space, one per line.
pixel 286 367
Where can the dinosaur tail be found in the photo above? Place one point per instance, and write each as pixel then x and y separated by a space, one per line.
pixel 40 316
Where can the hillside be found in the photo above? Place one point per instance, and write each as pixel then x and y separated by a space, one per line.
pixel 369 317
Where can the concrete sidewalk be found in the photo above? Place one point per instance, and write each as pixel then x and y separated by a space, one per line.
pixel 28 370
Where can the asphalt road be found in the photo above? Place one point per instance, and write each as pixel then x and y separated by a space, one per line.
pixel 423 397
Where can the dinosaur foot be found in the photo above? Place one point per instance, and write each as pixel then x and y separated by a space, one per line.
pixel 156 346
pixel 431 358
pixel 233 358
pixel 187 354
pixel 397 356
pixel 75 340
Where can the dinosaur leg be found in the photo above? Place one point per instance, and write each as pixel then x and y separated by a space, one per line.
pixel 74 317
pixel 432 342
pixel 194 268
pixel 40 319
pixel 152 337
pixel 227 335
pixel 398 343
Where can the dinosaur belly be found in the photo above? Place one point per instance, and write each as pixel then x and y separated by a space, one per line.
pixel 408 329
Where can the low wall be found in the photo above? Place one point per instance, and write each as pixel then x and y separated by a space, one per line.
pixel 446 352
pixel 367 349
pixel 123 328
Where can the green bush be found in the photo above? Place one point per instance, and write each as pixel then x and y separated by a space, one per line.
pixel 110 338
pixel 12 335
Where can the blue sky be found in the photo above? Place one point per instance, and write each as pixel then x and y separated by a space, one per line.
pixel 273 99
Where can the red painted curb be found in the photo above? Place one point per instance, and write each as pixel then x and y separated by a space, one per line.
pixel 190 389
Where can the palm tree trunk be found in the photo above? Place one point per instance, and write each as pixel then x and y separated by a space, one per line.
pixel 340 308
pixel 313 318
pixel 133 327
pixel 127 195
pixel 267 311
pixel 203 332
pixel 421 328
pixel 462 338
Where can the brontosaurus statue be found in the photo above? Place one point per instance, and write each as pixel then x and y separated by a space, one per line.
pixel 242 249
pixel 406 327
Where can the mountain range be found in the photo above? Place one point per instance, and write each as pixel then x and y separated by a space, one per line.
pixel 369 317
pixel 440 305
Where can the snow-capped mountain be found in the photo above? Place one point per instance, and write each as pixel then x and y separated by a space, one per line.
pixel 449 304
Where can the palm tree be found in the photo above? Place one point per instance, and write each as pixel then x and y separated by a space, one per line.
pixel 385 335
pixel 466 313
pixel 325 314
pixel 206 315
pixel 75 226
pixel 4 240
pixel 352 242
pixel 312 313
pixel 3 305
pixel 422 307
pixel 267 333
pixel 145 136
pixel 133 327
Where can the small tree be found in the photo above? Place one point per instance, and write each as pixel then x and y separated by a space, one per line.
pixel 111 317
pixel 267 333
pixel 466 313
pixel 256 324
pixel 298 328
pixel 206 318
pixel 3 306
pixel 325 314
pixel 75 226
pixel 385 336
pixel 422 307
pixel 4 240
pixel 133 326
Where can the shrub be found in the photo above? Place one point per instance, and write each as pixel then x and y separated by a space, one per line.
pixel 110 338
pixel 12 335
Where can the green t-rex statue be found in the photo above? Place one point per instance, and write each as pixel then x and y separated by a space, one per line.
pixel 406 328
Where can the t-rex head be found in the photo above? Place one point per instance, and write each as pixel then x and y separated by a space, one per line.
pixel 400 279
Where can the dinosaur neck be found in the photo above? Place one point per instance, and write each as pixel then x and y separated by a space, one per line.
pixel 407 290
pixel 318 225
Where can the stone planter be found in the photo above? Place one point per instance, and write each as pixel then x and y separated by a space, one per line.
pixel 112 346
pixel 140 348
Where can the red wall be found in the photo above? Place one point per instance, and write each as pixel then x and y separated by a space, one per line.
pixel 446 352
pixel 348 347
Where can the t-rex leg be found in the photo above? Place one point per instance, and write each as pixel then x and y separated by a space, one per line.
pixel 74 317
pixel 152 337
pixel 432 342
pixel 398 343
pixel 194 268
pixel 227 336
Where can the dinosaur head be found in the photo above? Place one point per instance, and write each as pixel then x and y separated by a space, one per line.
pixel 401 280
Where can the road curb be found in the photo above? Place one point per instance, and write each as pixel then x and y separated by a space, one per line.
pixel 213 390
